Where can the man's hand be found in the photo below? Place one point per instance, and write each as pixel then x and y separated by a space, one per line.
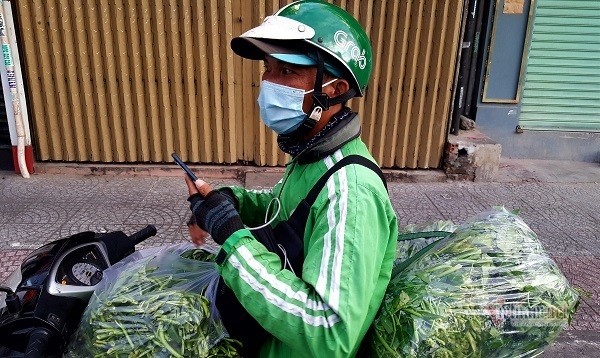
pixel 199 186
pixel 214 212
pixel 197 235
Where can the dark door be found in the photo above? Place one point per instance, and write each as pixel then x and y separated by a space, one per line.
pixel 6 162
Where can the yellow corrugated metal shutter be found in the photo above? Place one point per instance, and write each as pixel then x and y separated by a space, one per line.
pixel 132 81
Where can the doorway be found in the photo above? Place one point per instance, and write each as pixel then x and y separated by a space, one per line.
pixel 6 160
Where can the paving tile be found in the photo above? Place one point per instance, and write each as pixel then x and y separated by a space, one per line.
pixel 124 190
pixel 108 213
pixel 50 186
pixel 9 210
pixel 166 215
pixel 583 272
pixel 412 205
pixel 492 195
pixel 584 196
pixel 455 202
pixel 10 260
pixel 39 214
pixel 27 236
pixel 552 236
pixel 570 343
pixel 584 232
pixel 536 194
pixel 575 225
pixel 167 188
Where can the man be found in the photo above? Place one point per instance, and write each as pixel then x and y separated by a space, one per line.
pixel 316 57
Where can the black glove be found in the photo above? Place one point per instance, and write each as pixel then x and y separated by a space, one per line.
pixel 230 196
pixel 216 215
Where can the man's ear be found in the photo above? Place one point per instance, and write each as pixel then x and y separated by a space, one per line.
pixel 340 86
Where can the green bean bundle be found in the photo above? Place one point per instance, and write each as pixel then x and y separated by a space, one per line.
pixel 157 307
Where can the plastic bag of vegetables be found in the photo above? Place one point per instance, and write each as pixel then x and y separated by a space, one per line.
pixel 157 303
pixel 415 237
pixel 486 290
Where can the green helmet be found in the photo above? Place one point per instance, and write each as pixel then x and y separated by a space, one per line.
pixel 319 26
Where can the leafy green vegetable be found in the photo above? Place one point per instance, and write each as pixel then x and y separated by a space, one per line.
pixel 486 290
pixel 157 307
pixel 199 254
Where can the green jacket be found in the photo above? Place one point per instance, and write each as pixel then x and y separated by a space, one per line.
pixel 349 248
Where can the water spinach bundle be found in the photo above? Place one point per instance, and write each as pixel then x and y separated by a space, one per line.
pixel 487 290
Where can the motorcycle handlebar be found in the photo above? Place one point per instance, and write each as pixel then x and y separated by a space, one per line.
pixel 38 341
pixel 143 234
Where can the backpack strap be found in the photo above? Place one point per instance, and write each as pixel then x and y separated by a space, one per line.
pixel 299 217
pixel 293 228
pixel 351 159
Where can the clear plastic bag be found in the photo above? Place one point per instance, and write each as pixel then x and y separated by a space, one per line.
pixel 409 245
pixel 486 290
pixel 156 303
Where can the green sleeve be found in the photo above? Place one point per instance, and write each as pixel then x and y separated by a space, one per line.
pixel 350 245
pixel 252 204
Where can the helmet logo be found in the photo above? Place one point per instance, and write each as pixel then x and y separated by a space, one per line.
pixel 341 39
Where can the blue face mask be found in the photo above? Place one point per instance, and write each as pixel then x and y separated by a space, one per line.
pixel 281 106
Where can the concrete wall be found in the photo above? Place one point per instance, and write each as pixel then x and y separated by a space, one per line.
pixel 499 122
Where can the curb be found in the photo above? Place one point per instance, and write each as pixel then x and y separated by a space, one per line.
pixel 251 175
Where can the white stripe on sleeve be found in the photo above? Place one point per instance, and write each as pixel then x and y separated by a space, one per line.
pixel 280 286
pixel 321 286
pixel 340 232
pixel 298 311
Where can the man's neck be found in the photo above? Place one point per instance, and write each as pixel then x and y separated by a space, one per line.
pixel 325 118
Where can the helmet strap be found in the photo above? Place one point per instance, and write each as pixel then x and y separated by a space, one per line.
pixel 321 102
pixel 321 99
pixel 351 93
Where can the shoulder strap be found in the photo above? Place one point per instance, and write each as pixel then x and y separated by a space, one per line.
pixel 293 228
pixel 351 159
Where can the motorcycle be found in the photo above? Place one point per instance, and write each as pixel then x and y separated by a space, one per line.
pixel 46 297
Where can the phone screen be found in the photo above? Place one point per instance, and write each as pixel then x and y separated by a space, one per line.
pixel 187 170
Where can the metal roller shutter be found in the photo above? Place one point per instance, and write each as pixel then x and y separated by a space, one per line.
pixel 562 86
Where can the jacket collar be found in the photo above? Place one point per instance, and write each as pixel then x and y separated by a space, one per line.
pixel 345 131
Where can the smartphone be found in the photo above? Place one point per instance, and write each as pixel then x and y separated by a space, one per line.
pixel 185 168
